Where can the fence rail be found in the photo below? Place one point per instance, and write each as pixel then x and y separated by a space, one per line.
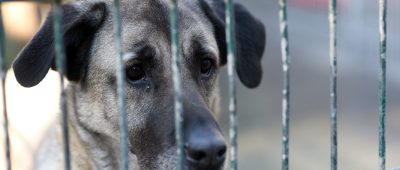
pixel 286 82
pixel 3 90
pixel 382 84
pixel 231 44
pixel 60 62
pixel 123 127
pixel 176 69
pixel 333 81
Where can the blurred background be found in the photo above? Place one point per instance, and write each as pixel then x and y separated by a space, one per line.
pixel 259 109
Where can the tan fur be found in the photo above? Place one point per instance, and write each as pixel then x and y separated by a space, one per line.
pixel 92 92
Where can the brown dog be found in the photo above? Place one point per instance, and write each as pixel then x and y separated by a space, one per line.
pixel 91 68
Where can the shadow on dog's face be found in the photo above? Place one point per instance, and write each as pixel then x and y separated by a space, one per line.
pixel 91 67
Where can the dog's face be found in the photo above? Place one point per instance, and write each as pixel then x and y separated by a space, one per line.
pixel 91 67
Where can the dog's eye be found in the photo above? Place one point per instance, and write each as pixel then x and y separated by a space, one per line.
pixel 206 67
pixel 135 72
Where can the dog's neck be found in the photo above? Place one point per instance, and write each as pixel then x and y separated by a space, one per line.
pixel 90 149
pixel 80 157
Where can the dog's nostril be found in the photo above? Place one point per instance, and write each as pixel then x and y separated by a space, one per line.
pixel 221 153
pixel 206 154
pixel 196 156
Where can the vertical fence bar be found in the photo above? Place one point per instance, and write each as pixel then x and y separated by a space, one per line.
pixel 382 83
pixel 333 81
pixel 3 73
pixel 123 127
pixel 176 69
pixel 286 85
pixel 231 49
pixel 60 62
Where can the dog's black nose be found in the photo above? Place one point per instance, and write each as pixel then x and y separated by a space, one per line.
pixel 206 153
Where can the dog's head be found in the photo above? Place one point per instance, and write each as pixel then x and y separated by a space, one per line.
pixel 91 67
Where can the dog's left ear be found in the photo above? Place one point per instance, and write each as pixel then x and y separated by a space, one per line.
pixel 79 23
pixel 250 39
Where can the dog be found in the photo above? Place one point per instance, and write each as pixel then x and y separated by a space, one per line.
pixel 92 92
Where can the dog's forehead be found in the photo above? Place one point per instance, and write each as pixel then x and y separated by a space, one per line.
pixel 148 21
pixel 150 18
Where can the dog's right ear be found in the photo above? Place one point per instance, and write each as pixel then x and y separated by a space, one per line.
pixel 79 26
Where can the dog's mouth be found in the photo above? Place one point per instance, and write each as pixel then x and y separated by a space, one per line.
pixel 197 161
pixel 196 167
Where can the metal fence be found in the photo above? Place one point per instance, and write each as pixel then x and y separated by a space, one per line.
pixel 230 34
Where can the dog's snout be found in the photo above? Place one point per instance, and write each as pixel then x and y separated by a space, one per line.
pixel 204 144
pixel 206 153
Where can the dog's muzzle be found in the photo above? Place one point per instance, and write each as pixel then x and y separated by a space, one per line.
pixel 205 150
pixel 206 155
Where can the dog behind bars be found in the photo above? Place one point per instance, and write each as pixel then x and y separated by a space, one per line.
pixel 91 71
